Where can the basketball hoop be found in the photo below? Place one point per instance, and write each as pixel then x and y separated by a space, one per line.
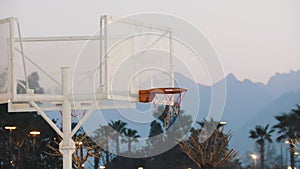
pixel 170 98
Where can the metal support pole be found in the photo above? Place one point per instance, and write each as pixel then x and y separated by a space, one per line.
pixel 10 146
pixel 67 146
pixel 106 57
pixel 171 57
pixel 101 55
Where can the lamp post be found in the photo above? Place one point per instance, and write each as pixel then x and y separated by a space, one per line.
pixel 254 157
pixel 10 128
pixel 80 155
pixel 34 134
pixel 221 124
pixel 281 155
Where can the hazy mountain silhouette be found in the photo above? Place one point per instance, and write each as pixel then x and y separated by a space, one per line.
pixel 244 99
pixel 248 104
pixel 282 104
pixel 284 82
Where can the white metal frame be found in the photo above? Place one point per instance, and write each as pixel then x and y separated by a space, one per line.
pixel 66 99
pixel 104 54
pixel 10 91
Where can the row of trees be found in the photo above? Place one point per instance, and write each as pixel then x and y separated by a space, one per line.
pixel 19 148
pixel 288 130
pixel 205 147
pixel 193 152
pixel 19 151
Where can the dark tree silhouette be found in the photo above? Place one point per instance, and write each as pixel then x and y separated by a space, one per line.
pixel 208 151
pixel 261 135
pixel 102 137
pixel 288 129
pixel 131 136
pixel 119 127
pixel 25 151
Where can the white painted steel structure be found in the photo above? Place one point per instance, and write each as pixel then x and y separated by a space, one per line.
pixel 67 100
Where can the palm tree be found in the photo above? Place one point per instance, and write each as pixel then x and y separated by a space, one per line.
pixel 119 127
pixel 102 137
pixel 297 114
pixel 288 129
pixel 261 134
pixel 131 136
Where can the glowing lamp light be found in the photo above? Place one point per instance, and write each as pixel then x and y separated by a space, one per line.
pixel 35 132
pixel 254 156
pixel 10 128
pixel 223 122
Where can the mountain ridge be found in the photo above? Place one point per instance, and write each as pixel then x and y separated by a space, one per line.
pixel 247 103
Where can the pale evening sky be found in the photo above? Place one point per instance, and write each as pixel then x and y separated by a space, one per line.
pixel 254 38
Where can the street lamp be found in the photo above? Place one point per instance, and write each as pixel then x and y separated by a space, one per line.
pixel 10 128
pixel 79 144
pixel 102 167
pixel 254 157
pixel 223 122
pixel 140 167
pixel 34 134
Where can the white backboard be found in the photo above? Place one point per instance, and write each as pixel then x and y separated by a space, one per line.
pixel 136 56
pixel 122 57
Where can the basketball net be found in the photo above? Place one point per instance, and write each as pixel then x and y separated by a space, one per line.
pixel 171 103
